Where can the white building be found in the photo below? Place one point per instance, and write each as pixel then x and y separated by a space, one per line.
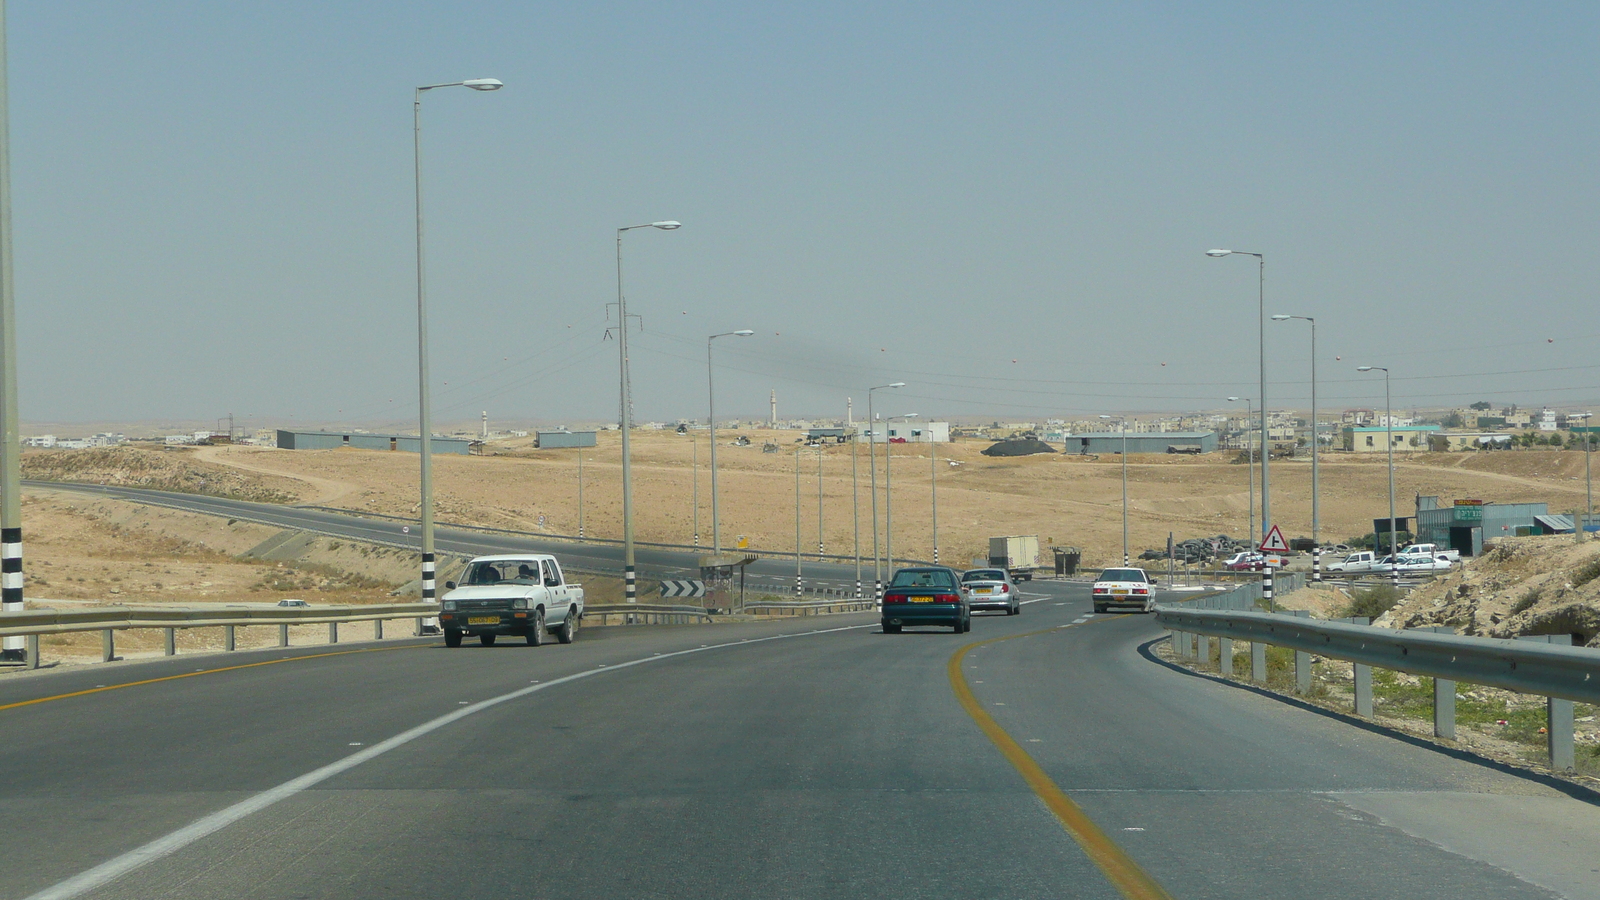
pixel 1547 420
pixel 43 440
pixel 910 432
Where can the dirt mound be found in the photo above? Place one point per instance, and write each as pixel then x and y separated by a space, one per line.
pixel 1025 447
pixel 163 470
pixel 1532 585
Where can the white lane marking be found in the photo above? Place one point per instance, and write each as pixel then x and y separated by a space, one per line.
pixel 1034 600
pixel 115 868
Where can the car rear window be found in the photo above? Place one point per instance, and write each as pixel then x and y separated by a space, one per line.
pixel 984 575
pixel 1122 575
pixel 923 578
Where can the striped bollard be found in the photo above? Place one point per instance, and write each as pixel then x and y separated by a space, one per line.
pixel 12 649
pixel 1316 564
pixel 1266 587
pixel 428 591
pixel 858 589
pixel 797 587
pixel 630 588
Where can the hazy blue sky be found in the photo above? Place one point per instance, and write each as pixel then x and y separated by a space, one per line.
pixel 1005 205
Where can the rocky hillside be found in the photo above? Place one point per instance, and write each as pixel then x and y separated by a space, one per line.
pixel 1533 585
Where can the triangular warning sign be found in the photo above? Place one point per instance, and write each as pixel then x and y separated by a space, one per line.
pixel 1275 542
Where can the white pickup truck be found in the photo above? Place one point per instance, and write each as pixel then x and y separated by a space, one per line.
pixel 1358 563
pixel 522 594
pixel 1432 551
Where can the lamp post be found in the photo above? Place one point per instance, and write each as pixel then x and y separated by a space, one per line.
pixel 1388 424
pixel 15 648
pixel 1123 422
pixel 694 482
pixel 1316 441
pixel 1250 457
pixel 872 465
pixel 797 582
pixel 820 557
pixel 933 488
pixel 855 506
pixel 580 493
pixel 629 578
pixel 1588 486
pixel 888 495
pixel 711 396
pixel 1261 392
pixel 424 412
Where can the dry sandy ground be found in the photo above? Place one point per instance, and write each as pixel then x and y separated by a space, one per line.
pixel 1067 500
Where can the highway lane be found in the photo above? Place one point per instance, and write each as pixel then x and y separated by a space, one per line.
pixel 771 572
pixel 828 764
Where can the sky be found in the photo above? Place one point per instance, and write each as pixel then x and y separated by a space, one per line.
pixel 1004 205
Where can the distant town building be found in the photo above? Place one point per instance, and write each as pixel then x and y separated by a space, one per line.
pixel 332 440
pixel 910 432
pixel 1141 442
pixel 1407 438
pixel 554 440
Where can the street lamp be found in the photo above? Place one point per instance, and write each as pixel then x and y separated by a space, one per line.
pixel 888 494
pixel 933 488
pixel 1316 542
pixel 872 465
pixel 580 493
pixel 1261 393
pixel 424 413
pixel 1588 486
pixel 1250 460
pixel 15 648
pixel 711 396
pixel 1123 422
pixel 855 506
pixel 1388 424
pixel 630 584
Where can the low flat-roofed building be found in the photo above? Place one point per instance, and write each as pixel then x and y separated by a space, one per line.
pixel 1452 441
pixel 1148 442
pixel 1370 439
pixel 333 440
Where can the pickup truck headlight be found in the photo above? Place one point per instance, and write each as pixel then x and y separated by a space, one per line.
pixel 520 603
pixel 449 606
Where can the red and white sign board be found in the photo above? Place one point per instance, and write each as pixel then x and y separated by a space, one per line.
pixel 1275 542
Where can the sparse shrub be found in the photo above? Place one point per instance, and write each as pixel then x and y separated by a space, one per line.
pixel 1586 573
pixel 1372 601
pixel 1527 601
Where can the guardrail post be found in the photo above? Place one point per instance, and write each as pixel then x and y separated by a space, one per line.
pixel 1363 690
pixel 33 651
pixel 333 632
pixel 1205 649
pixel 1444 709
pixel 1225 655
pixel 283 635
pixel 1558 716
pixel 108 645
pixel 1302 672
pixel 1179 639
pixel 377 629
pixel 227 637
pixel 1258 662
pixel 169 642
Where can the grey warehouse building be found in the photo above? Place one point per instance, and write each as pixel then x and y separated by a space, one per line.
pixel 555 440
pixel 333 440
pixel 1141 442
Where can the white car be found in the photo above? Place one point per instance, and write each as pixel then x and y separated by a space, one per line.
pixel 1124 587
pixel 1412 563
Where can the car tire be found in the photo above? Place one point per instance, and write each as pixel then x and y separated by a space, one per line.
pixel 1099 609
pixel 536 629
pixel 452 637
pixel 487 639
pixel 890 629
pixel 568 632
pixel 1016 609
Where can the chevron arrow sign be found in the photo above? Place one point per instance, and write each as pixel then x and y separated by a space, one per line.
pixel 685 588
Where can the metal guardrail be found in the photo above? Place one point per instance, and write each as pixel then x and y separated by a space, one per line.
pixel 809 607
pixel 644 614
pixel 109 620
pixel 1538 665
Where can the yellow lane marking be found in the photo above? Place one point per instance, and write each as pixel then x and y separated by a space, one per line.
pixel 1119 868
pixel 270 662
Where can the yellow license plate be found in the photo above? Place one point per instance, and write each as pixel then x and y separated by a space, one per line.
pixel 922 600
pixel 483 620
pixel 982 590
pixel 1119 590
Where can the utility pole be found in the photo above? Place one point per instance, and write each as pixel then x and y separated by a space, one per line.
pixel 12 649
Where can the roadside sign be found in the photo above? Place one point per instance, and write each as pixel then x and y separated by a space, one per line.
pixel 1275 542
pixel 683 588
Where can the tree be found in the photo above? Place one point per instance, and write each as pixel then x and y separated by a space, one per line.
pixel 1453 420
pixel 1480 406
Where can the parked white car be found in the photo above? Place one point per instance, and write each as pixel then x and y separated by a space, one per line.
pixel 1358 563
pixel 524 595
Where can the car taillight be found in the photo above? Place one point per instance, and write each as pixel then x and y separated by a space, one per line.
pixel 1004 589
pixel 894 598
pixel 1140 591
pixel 1101 590
pixel 947 598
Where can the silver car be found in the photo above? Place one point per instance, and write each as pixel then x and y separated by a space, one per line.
pixel 991 589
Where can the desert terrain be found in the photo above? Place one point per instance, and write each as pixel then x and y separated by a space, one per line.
pixel 1067 500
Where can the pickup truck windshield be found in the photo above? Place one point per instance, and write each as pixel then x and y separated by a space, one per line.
pixel 512 571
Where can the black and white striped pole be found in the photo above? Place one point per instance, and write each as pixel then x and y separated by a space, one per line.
pixel 13 649
pixel 797 522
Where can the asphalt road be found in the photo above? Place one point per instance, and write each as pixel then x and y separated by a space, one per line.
pixel 812 758
pixel 772 573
